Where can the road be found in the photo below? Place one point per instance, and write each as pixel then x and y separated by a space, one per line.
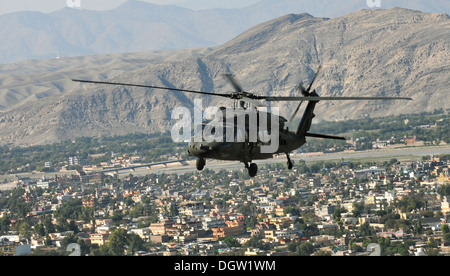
pixel 402 154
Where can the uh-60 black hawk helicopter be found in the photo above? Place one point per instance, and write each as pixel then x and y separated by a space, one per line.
pixel 235 131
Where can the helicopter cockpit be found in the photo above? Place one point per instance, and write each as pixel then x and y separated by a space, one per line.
pixel 206 132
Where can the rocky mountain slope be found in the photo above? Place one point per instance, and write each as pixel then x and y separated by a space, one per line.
pixel 394 52
pixel 28 80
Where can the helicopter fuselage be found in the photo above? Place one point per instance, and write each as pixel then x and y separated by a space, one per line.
pixel 246 150
pixel 241 151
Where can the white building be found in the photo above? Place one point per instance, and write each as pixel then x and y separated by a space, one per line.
pixel 369 173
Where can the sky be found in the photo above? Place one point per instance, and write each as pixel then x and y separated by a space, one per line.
pixel 46 6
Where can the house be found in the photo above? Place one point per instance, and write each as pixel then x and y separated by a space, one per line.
pixel 325 210
pixel 143 233
pixel 233 228
pixel 99 238
pixel 209 222
pixel 160 228
pixel 372 172
pixel 14 249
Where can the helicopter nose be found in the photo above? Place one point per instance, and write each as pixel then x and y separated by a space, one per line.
pixel 197 149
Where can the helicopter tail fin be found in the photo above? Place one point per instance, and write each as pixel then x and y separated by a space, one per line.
pixel 308 116
pixel 305 123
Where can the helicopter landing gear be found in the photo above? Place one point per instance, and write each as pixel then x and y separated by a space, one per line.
pixel 289 162
pixel 200 163
pixel 252 169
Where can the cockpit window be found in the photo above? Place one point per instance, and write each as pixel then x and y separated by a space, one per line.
pixel 198 130
pixel 238 135
pixel 208 131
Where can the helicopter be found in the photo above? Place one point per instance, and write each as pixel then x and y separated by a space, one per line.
pixel 245 131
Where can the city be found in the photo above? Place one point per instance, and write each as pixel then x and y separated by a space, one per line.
pixel 331 208
pixel 98 156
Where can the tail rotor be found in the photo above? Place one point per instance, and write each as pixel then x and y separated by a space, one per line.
pixel 304 92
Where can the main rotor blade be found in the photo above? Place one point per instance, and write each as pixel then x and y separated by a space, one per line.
pixel 302 90
pixel 254 102
pixel 314 79
pixel 155 87
pixel 312 99
pixel 233 82
pixel 295 112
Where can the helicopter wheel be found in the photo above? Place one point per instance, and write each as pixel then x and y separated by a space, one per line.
pixel 289 165
pixel 253 169
pixel 200 163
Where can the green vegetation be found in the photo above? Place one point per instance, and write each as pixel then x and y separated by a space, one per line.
pixel 150 147
pixel 428 127
pixel 157 147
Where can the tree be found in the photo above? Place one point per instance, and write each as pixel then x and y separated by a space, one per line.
pixel 256 242
pixel 39 229
pixel 4 224
pixel 49 227
pixel 135 243
pixel 365 230
pixel 292 210
pixel 117 217
pixel 71 209
pixel 25 230
pixel 358 209
pixel 305 249
pixel 230 242
pixel 117 242
pixel 444 190
pixel 120 243
pixel 446 232
pixel 173 210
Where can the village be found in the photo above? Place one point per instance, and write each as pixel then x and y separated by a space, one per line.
pixel 326 208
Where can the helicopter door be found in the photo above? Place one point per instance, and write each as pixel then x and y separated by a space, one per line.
pixel 249 146
pixel 240 136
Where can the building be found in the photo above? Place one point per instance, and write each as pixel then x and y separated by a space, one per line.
pixel 212 222
pixel 89 202
pixel 73 161
pixel 445 206
pixel 369 173
pixel 160 228
pixel 233 228
pixel 98 238
pixel 325 210
pixel 12 245
pixel 315 182
pixel 159 238
pixel 143 233
pixel 15 249
pixel 411 140
pixel 192 209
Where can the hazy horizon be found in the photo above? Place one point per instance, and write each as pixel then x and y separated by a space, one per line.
pixel 47 6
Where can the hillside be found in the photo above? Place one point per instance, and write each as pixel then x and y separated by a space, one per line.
pixel 29 80
pixel 394 52
pixel 139 26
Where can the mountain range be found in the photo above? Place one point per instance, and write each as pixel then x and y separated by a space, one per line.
pixel 371 52
pixel 140 26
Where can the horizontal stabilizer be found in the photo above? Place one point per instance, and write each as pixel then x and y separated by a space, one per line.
pixel 324 136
